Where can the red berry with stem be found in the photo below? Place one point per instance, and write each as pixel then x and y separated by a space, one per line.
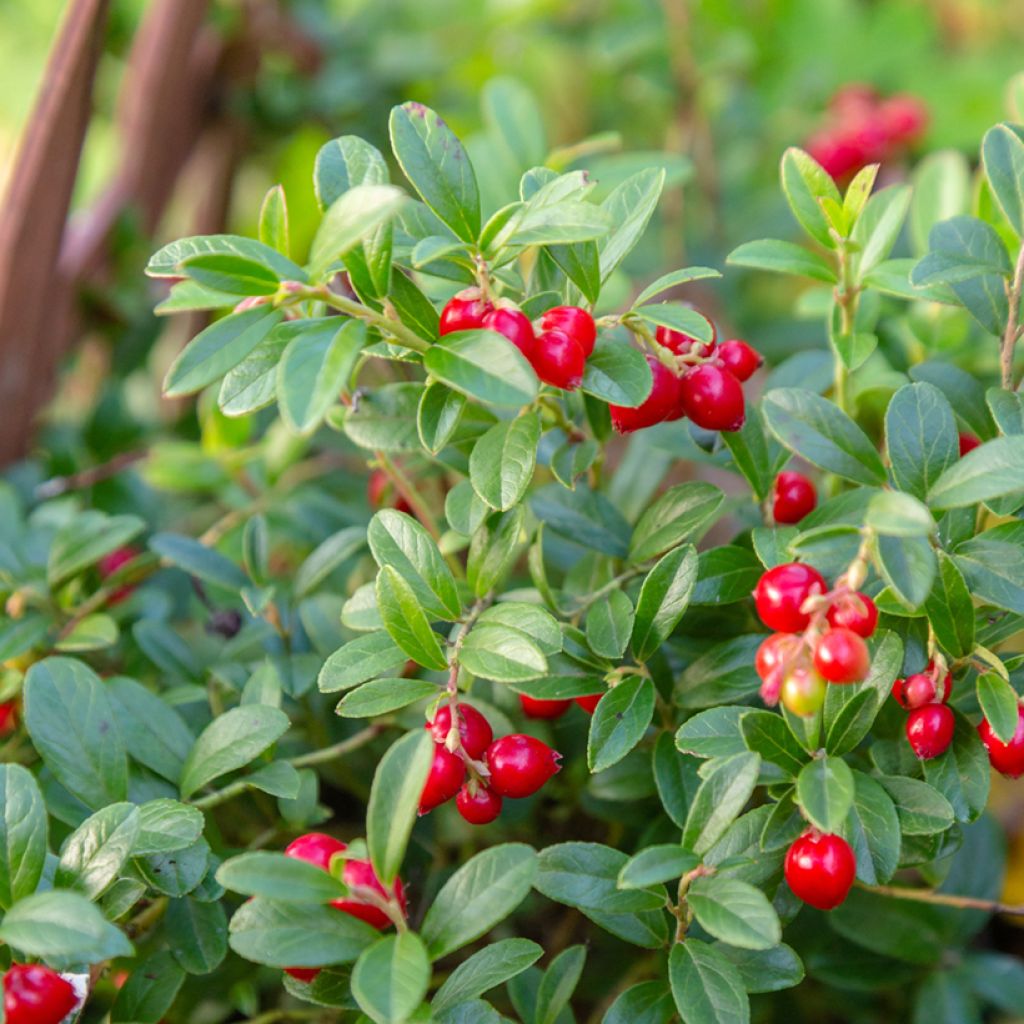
pixel 464 311
pixel 663 402
pixel 1007 758
pixel 841 656
pixel 534 707
pixel 683 344
pixel 803 691
pixel 446 775
pixel 967 443
pixel 820 868
pixel 930 730
pixel 559 360
pixel 589 702
pixel 793 497
pixel 739 358
pixel 34 994
pixel 712 398
pixel 854 611
pixel 575 322
pixel 781 592
pixel 520 765
pixel 478 804
pixel 474 730
pixel 515 326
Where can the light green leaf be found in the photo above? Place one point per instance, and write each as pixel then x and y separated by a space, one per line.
pixel 406 621
pixel 502 462
pixel 391 978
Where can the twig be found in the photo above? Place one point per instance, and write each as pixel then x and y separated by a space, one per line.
pixel 944 899
pixel 87 477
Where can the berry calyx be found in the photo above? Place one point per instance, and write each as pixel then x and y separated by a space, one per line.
pixel 803 691
pixel 930 730
pixel 793 497
pixel 478 804
pixel 474 729
pixel 34 994
pixel 781 592
pixel 464 311
pixel 739 358
pixel 854 611
pixel 534 707
pixel 663 402
pixel 446 775
pixel 841 656
pixel 559 360
pixel 575 322
pixel 967 443
pixel 515 326
pixel 682 344
pixel 589 702
pixel 712 398
pixel 1006 758
pixel 520 765
pixel 820 868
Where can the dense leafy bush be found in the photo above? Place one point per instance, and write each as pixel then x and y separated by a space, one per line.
pixel 530 583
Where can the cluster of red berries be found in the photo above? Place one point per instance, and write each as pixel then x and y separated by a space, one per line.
pixel 514 766
pixel 366 893
pixel 866 129
pixel 705 383
pixel 34 994
pixel 558 353
pixel 820 868
pixel 930 723
pixel 534 707
pixel 793 497
pixel 819 636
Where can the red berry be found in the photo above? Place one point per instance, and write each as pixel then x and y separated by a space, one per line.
pixel 854 611
pixel 712 398
pixel 533 707
pixel 515 326
pixel 967 443
pixel 575 322
pixel 34 994
pixel 380 492
pixel 774 651
pixel 664 401
pixel 903 118
pixel 781 592
pixel 589 702
pixel 446 775
pixel 930 730
pixel 8 717
pixel 803 691
pixel 464 311
pixel 474 730
pixel 478 804
pixel 304 974
pixel 110 563
pixel 559 360
pixel 853 99
pixel 684 344
pixel 315 848
pixel 520 765
pixel 841 656
pixel 739 358
pixel 839 155
pixel 915 691
pixel 820 869
pixel 794 497
pixel 1007 758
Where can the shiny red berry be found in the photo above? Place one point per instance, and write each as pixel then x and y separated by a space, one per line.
pixel 520 765
pixel 663 403
pixel 446 775
pixel 478 804
pixel 739 358
pixel 774 652
pixel 841 656
pixel 967 443
pixel 515 326
pixel 781 592
pixel 684 344
pixel 575 322
pixel 930 730
pixel 533 707
pixel 589 702
pixel 820 869
pixel 803 691
pixel 1007 758
pixel 712 398
pixel 464 311
pixel 915 691
pixel 474 730
pixel 558 360
pixel 856 612
pixel 793 498
pixel 34 994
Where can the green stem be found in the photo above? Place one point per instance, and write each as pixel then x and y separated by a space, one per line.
pixel 395 328
pixel 1013 330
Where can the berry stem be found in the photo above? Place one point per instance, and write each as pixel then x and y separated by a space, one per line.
pixel 944 899
pixel 357 310
pixel 477 768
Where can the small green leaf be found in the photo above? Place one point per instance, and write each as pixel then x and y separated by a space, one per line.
pixel 805 184
pixel 767 734
pixel 679 514
pixel 149 992
pixel 893 514
pixel 616 373
pixel 383 696
pixel 505 655
pixel 999 705
pixel 706 987
pixel 825 791
pixel 197 559
pixel 85 539
pixel 277 877
pixel 922 810
pixel 486 969
pixel 23 828
pixel 673 279
pixel 502 462
pixel 1002 154
pixel 661 863
pixel 629 207
pixel 350 219
pixel 484 365
pixel 722 795
pixel 383 420
pixel 610 624
pixel 406 621
pixel 391 978
pixel 92 633
pixel 920 436
pixel 735 912
pixel 438 416
pixel 93 855
pixel 782 258
pixel 232 274
pixel 619 722
pixel 585 876
pixel 663 599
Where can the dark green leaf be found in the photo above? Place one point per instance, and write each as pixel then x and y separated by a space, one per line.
pixel 707 988
pixel 767 734
pixel 999 704
pixel 663 599
pixel 23 828
pixel 484 365
pixel 825 790
pixel 619 722
pixel 677 515
pixel 722 795
pixel 734 912
pixel 406 621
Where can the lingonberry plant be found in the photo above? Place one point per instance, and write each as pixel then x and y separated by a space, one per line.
pixel 460 589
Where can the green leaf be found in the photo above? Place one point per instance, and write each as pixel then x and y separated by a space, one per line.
pixel 494 548
pixel 503 654
pixel 93 855
pixel 825 789
pixel 942 187
pixel 619 722
pixel 768 970
pixel 197 559
pixel 878 226
pixel 950 609
pixel 537 623
pixel 149 992
pixel 678 317
pixel 273 226
pixel 999 705
pixel 922 810
pixel 482 892
pixel 722 795
pixel 383 696
pixel 649 1002
pixel 484 365
pixel 166 825
pixel 568 222
pixel 894 514
pixel 515 124
pixel 734 912
pixel 993 566
pixel 62 926
pixel 230 742
pixel 629 208
pixel 71 722
pixel 663 599
pixel 805 184
pixel 343 163
pixel 349 220
pixel 583 516
pixel 438 416
pixel 277 877
pixel 558 984
pixel 23 827
pixel 616 373
pixel 852 723
pixel 780 257
pixel 394 801
pixel 585 876
pixel 920 437
pixel 872 829
pixel 92 633
pixel 391 977
pixel 964 392
pixel 326 557
pixel 756 454
pixel 167 261
pixel 706 987
pixel 1007 408
pixel 231 274
pixel 673 279
pixel 1002 154
pixel 909 566
pixel 385 419
pixel 724 672
pixel 502 462
pixel 85 539
pixel 993 470
pixel 154 733
pixel 813 428
pixel 767 734
pixel 726 575
pixel 679 514
pixel 486 969
pixel 610 624
pixel 406 621
pixel 661 863
pixel 713 733
pixel 197 934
